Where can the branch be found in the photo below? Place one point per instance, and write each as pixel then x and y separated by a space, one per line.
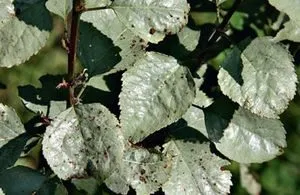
pixel 221 27
pixel 72 45
pixel 219 31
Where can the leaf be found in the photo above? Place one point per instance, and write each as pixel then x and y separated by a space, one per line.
pixel 252 139
pixel 96 3
pixel 132 47
pixel 11 151
pixel 96 52
pixel 48 96
pixel 88 185
pixel 84 138
pixel 28 180
pixel 24 35
pixel 60 7
pixel 189 38
pixel 291 31
pixel 269 79
pixel 153 19
pixel 248 181
pixel 52 186
pixel 144 171
pixel 291 8
pixel 10 124
pixel 55 107
pixel 156 92
pixel 195 170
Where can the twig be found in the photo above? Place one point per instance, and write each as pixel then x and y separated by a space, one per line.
pixel 72 45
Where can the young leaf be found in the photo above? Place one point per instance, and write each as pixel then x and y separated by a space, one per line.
pixel 20 36
pixel 142 170
pixel 291 31
pixel 156 92
pixel 195 170
pixel 21 180
pixel 10 124
pixel 83 138
pixel 268 75
pixel 132 47
pixel 60 7
pixel 252 139
pixel 152 19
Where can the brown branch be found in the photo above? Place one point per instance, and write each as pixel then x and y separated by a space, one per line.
pixel 72 46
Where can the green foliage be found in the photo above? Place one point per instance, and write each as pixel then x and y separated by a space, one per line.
pixel 159 102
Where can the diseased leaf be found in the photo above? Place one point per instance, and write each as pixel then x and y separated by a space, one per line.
pixel 84 138
pixel 252 139
pixel 291 8
pixel 189 38
pixel 142 170
pixel 291 31
pixel 268 78
pixel 152 19
pixel 21 36
pixel 28 180
pixel 55 107
pixel 132 47
pixel 195 170
pixel 195 119
pixel 10 125
pixel 156 92
pixel 96 3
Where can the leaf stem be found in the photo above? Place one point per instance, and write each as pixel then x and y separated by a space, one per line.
pixel 221 27
pixel 201 55
pixel 72 46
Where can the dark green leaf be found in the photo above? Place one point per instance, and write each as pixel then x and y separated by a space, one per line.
pixel 96 51
pixel 21 180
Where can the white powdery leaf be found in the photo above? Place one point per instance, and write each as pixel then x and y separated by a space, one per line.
pixel 252 139
pixel 156 92
pixel 10 124
pixel 195 170
pixel 96 3
pixel 19 41
pixel 106 21
pixel 152 19
pixel 87 137
pixel 291 31
pixel 141 169
pixel 189 38
pixel 290 7
pixel 269 78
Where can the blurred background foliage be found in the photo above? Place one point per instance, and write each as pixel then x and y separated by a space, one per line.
pixel 280 176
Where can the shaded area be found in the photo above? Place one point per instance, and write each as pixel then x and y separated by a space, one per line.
pixel 2 86
pixel 46 93
pixel 96 51
pixel 217 117
pixel 27 180
pixel 33 13
pixel 10 152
